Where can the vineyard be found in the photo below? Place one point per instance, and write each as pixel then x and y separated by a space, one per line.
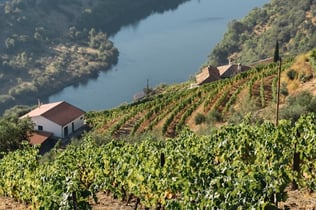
pixel 171 108
pixel 236 167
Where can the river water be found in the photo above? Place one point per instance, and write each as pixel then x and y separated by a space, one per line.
pixel 163 49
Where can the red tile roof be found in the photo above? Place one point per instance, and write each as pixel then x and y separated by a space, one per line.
pixel 39 137
pixel 63 113
pixel 60 113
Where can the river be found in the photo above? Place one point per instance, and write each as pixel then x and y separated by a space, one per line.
pixel 163 49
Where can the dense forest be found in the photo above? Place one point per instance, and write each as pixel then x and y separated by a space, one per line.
pixel 292 22
pixel 47 45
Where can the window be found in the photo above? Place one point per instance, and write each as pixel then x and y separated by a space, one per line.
pixel 40 127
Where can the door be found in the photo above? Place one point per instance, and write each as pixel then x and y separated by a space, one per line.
pixel 72 127
pixel 66 131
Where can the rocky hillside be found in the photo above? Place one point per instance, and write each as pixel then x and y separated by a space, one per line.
pixel 292 22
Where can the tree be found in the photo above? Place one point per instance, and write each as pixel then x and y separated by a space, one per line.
pixel 13 132
pixel 276 56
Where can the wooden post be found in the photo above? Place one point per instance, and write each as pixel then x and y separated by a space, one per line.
pixel 296 168
pixel 278 93
pixel 74 201
pixel 296 162
pixel 162 159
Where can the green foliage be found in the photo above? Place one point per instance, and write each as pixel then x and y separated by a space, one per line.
pixel 215 116
pixel 168 110
pixel 291 74
pixel 297 105
pixel 262 93
pixel 283 89
pixel 12 132
pixel 199 118
pixel 237 167
pixel 16 111
pixel 276 56
pixel 313 58
pixel 253 37
pixel 274 89
pixel 6 98
pixel 49 45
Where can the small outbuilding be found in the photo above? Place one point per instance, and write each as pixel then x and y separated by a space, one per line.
pixel 211 73
pixel 208 74
pixel 231 69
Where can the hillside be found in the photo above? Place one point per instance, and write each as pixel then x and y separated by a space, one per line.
pixel 235 167
pixel 249 164
pixel 47 45
pixel 215 146
pixel 292 22
pixel 169 109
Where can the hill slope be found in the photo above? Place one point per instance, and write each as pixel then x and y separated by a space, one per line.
pixel 292 22
pixel 167 110
pixel 238 166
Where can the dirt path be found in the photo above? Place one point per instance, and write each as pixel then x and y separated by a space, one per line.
pixel 297 200
pixel 104 203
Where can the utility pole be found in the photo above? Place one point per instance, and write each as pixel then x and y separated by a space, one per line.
pixel 277 58
pixel 278 93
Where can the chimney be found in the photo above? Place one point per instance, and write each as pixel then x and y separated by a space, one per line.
pixel 229 61
pixel 239 67
pixel 38 103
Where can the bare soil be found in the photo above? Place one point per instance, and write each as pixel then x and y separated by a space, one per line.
pixel 297 200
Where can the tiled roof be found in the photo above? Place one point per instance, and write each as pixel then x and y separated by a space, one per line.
pixel 231 69
pixel 223 69
pixel 39 137
pixel 41 109
pixel 60 113
pixel 208 74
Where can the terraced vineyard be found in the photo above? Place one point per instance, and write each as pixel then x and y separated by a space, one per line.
pixel 169 109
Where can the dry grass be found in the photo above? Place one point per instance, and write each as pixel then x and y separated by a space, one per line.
pixel 10 204
pixel 302 67
pixel 299 200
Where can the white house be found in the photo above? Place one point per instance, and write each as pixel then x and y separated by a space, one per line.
pixel 59 118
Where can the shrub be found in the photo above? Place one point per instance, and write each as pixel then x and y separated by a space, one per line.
pixel 283 90
pixel 291 74
pixel 302 99
pixel 215 116
pixel 199 119
pixel 305 77
pixel 6 99
pixel 297 105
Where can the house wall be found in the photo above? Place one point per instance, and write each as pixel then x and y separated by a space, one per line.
pixel 78 123
pixel 48 125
